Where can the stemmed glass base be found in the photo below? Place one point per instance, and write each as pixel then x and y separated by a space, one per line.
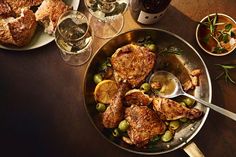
pixel 107 29
pixel 77 59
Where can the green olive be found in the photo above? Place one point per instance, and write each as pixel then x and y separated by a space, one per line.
pixel 188 101
pixel 167 123
pixel 97 78
pixel 174 125
pixel 123 126
pixel 152 47
pixel 167 136
pixel 101 107
pixel 116 132
pixel 183 120
pixel 183 104
pixel 146 87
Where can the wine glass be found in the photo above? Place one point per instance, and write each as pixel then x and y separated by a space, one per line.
pixel 107 16
pixel 73 37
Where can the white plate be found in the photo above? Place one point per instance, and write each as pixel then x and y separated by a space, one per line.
pixel 40 38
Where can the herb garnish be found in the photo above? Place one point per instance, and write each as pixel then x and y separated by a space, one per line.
pixel 105 64
pixel 145 40
pixel 149 43
pixel 226 74
pixel 171 50
pixel 221 36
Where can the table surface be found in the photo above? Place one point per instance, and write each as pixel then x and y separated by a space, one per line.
pixel 42 112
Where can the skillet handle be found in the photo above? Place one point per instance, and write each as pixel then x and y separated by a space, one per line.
pixel 192 150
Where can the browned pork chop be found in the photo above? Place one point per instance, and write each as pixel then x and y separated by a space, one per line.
pixel 132 63
pixel 144 124
pixel 171 110
pixel 115 111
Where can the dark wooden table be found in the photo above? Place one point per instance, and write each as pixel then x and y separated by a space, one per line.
pixel 41 104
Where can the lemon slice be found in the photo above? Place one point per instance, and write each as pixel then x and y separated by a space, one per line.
pixel 105 90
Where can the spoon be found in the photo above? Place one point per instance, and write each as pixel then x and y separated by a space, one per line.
pixel 175 89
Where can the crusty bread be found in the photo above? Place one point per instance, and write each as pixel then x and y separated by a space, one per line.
pixel 5 33
pixel 18 31
pixel 49 12
pixel 18 23
pixel 5 10
pixel 16 5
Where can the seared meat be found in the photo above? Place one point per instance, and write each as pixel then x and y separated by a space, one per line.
pixel 188 85
pixel 132 63
pixel 115 111
pixel 137 97
pixel 171 110
pixel 144 124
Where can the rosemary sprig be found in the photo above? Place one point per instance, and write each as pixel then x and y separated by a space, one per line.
pixel 225 72
pixel 171 50
pixel 149 43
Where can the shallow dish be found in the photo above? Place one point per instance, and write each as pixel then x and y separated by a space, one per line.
pixel 216 34
pixel 190 59
pixel 40 38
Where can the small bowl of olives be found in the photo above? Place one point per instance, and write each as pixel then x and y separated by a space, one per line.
pixel 216 34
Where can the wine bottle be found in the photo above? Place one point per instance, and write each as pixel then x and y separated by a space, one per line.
pixel 148 11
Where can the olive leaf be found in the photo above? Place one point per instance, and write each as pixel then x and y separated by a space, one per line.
pixel 206 38
pixel 214 20
pixel 228 27
pixel 219 49
pixel 211 28
pixel 225 38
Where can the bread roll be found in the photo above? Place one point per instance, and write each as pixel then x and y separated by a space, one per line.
pixel 18 31
pixel 49 12
pixel 16 5
pixel 5 10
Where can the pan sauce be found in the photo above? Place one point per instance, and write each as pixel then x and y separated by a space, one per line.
pixel 167 84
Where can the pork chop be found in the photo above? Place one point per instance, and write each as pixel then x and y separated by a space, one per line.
pixel 171 110
pixel 145 124
pixel 132 63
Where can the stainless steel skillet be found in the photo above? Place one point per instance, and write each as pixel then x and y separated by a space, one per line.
pixel 188 61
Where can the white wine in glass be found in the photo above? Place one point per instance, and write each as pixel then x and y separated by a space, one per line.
pixel 74 37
